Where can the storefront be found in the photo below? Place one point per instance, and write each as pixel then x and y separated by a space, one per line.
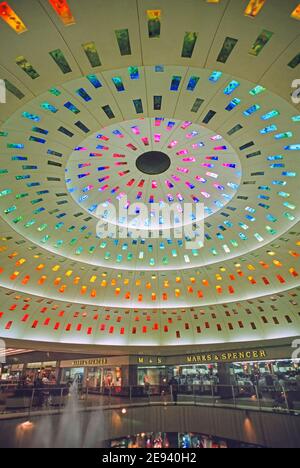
pixel 30 372
pixel 46 371
pixel 97 375
pixel 11 373
pixel 245 367
pixel 185 440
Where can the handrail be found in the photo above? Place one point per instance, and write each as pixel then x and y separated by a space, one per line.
pixel 47 397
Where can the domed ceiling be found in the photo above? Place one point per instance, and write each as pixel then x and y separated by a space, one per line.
pixel 136 105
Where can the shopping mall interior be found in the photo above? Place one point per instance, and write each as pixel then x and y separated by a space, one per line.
pixel 165 311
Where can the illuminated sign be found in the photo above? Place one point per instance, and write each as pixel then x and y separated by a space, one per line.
pixel 237 356
pixel 90 362
pixel 152 361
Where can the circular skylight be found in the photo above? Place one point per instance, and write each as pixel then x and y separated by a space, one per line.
pixel 153 162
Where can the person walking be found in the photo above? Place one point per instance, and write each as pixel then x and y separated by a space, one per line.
pixel 174 390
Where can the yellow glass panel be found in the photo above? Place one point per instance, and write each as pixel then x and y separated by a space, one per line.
pixel 11 18
pixel 296 13
pixel 254 7
pixel 154 14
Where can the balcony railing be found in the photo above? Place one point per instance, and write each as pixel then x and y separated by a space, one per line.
pixel 16 399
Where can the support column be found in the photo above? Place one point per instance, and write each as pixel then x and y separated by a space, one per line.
pixel 226 380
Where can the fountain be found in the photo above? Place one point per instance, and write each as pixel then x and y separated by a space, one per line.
pixel 73 428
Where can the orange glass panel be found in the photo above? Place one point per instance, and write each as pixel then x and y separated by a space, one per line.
pixel 11 18
pixel 281 279
pixel 63 10
pixel 154 14
pixel 42 280
pixel 296 13
pixel 254 7
pixel 26 280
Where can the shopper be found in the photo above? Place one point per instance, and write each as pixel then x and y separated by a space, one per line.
pixel 174 390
